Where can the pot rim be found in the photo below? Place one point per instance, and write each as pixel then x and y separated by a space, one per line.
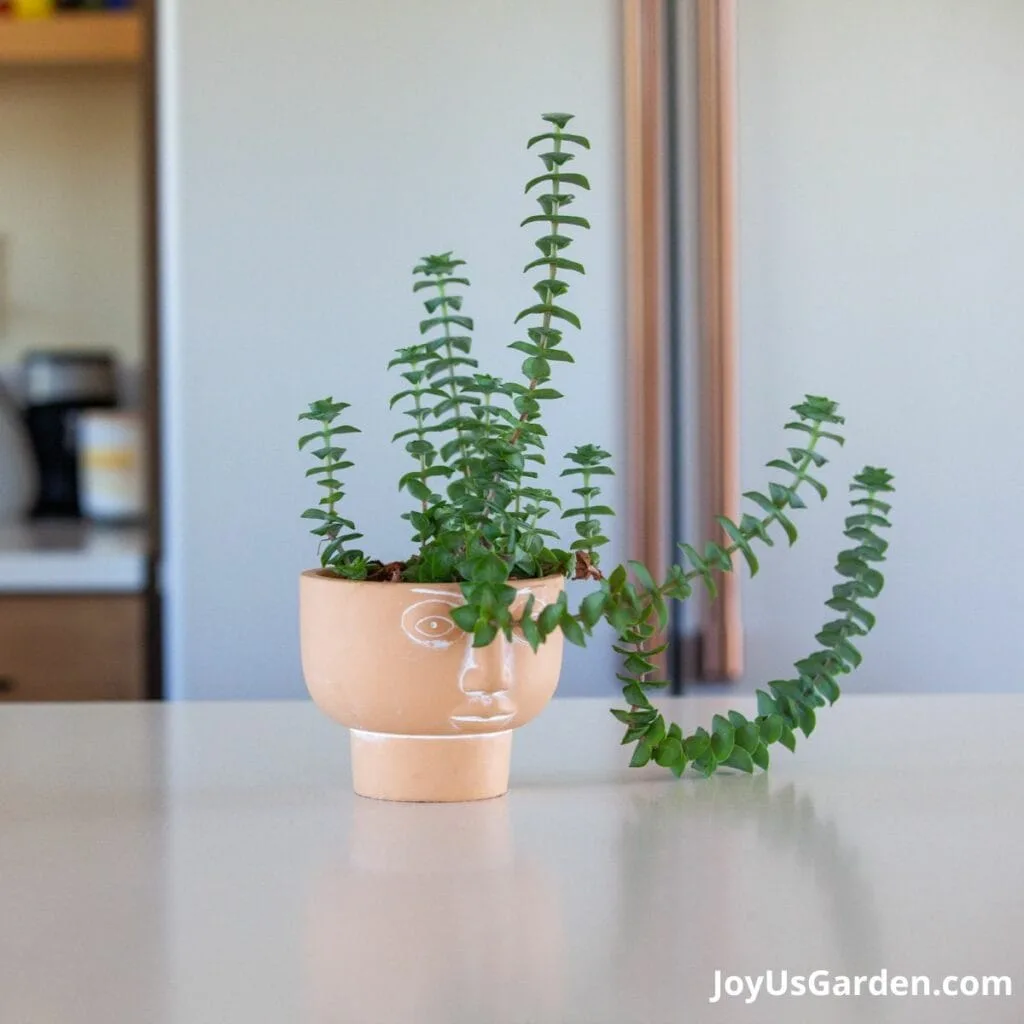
pixel 323 574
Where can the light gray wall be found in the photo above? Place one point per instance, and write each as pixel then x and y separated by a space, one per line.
pixel 882 223
pixel 310 154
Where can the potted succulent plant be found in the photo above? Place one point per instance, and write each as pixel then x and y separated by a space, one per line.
pixel 432 661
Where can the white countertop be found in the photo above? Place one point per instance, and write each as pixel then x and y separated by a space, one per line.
pixel 185 864
pixel 70 557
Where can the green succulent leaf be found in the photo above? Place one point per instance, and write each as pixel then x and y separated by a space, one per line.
pixel 573 630
pixel 771 729
pixel 723 737
pixel 787 739
pixel 739 759
pixel 697 745
pixel 669 752
pixel 642 754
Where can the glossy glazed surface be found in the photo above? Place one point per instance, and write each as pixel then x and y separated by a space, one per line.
pixel 208 863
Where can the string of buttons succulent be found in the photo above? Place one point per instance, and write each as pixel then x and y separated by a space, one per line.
pixel 479 516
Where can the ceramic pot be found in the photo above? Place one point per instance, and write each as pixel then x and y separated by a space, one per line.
pixel 431 717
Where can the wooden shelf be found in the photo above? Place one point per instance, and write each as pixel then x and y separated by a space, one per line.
pixel 70 39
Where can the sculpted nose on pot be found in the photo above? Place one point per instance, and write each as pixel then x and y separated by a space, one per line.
pixel 488 669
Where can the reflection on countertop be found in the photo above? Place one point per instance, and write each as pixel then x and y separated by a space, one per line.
pixel 218 854
pixel 65 556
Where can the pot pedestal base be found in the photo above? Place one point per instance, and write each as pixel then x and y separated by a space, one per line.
pixel 430 769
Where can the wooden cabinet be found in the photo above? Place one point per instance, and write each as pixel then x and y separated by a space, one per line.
pixel 72 648
pixel 70 39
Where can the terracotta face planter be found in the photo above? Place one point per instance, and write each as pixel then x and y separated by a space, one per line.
pixel 431 717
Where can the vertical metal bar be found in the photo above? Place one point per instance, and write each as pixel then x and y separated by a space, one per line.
pixel 674 268
pixel 151 248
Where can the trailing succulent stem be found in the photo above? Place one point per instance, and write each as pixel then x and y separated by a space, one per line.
pixel 788 704
pixel 480 514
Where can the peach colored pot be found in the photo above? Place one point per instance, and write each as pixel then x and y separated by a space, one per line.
pixel 431 717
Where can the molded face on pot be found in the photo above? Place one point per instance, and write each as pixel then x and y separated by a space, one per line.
pixel 388 658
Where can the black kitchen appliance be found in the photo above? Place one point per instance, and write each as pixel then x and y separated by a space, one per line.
pixel 58 385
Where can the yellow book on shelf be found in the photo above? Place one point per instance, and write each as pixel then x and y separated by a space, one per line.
pixel 33 8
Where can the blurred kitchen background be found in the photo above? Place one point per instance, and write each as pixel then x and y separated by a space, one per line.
pixel 303 167
pixel 77 613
